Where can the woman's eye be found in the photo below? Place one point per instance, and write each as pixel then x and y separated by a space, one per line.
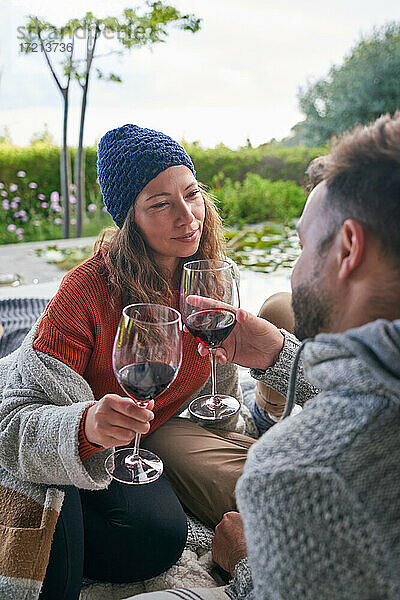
pixel 194 193
pixel 159 204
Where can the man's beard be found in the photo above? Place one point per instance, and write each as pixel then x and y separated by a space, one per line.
pixel 312 309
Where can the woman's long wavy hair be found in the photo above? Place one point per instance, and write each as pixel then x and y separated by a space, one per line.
pixel 134 275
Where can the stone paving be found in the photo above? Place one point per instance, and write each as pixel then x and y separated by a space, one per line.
pixel 40 279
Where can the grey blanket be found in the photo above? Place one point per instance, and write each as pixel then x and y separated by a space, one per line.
pixel 17 315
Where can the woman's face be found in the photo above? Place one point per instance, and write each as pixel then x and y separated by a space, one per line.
pixel 170 212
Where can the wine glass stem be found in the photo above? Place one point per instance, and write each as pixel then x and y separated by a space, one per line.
pixel 136 446
pixel 213 362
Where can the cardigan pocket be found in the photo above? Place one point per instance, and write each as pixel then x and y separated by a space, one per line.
pixel 24 551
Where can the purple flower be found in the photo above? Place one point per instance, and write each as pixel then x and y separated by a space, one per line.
pixel 1 186
pixel 20 237
pixel 21 174
pixel 36 223
pixel 57 221
pixel 72 200
pixel 5 204
pixel 54 197
pixel 32 185
pixel 16 199
pixel 4 193
pixel 14 204
pixel 56 208
pixel 24 219
pixel 11 227
pixel 44 204
pixel 13 187
pixel 92 207
pixel 17 215
pixel 19 231
pixel 41 196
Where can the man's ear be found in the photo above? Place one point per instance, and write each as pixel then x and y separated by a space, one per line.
pixel 352 240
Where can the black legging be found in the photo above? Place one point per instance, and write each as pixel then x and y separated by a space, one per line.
pixel 122 534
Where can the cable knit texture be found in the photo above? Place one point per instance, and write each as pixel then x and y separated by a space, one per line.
pixel 128 158
pixel 320 494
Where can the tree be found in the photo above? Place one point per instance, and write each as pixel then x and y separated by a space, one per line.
pixel 43 137
pixel 365 86
pixel 136 28
pixel 5 136
pixel 46 33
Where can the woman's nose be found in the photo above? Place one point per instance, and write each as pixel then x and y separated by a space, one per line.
pixel 184 213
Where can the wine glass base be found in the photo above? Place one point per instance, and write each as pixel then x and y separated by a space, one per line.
pixel 214 408
pixel 122 466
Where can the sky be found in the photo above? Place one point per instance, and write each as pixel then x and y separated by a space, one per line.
pixel 236 79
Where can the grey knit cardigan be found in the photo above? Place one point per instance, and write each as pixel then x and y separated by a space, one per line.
pixel 42 401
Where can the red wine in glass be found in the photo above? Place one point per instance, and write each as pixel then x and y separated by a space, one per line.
pixel 217 280
pixel 146 357
pixel 211 327
pixel 145 381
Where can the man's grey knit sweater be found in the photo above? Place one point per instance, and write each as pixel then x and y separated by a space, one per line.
pixel 320 495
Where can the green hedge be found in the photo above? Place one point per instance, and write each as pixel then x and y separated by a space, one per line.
pixel 42 164
pixel 255 200
pixel 250 185
pixel 269 162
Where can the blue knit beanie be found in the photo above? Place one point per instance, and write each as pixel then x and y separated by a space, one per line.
pixel 128 158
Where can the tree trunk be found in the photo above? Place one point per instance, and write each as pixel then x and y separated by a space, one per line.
pixel 79 177
pixel 80 155
pixel 65 171
pixel 80 169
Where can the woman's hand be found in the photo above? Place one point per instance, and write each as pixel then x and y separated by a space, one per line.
pixel 229 543
pixel 253 342
pixel 114 421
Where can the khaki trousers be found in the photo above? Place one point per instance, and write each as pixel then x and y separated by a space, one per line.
pixel 278 310
pixel 202 465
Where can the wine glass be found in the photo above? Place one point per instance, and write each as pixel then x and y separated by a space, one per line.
pixel 146 357
pixel 215 279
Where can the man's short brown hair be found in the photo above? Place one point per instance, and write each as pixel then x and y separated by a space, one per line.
pixel 362 175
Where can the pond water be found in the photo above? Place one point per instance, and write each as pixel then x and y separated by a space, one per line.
pixel 257 287
pixel 265 254
pixel 264 248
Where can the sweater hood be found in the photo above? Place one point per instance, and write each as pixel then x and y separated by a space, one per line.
pixel 365 359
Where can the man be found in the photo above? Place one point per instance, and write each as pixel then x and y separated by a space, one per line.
pixel 320 494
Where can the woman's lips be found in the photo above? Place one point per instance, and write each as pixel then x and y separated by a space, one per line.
pixel 189 237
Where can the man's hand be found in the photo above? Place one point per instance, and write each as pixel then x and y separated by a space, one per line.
pixel 229 544
pixel 114 421
pixel 253 342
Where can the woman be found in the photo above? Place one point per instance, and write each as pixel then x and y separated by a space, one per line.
pixel 62 407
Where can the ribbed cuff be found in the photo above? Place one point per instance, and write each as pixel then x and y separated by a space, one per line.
pixel 242 584
pixel 86 448
pixel 277 376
